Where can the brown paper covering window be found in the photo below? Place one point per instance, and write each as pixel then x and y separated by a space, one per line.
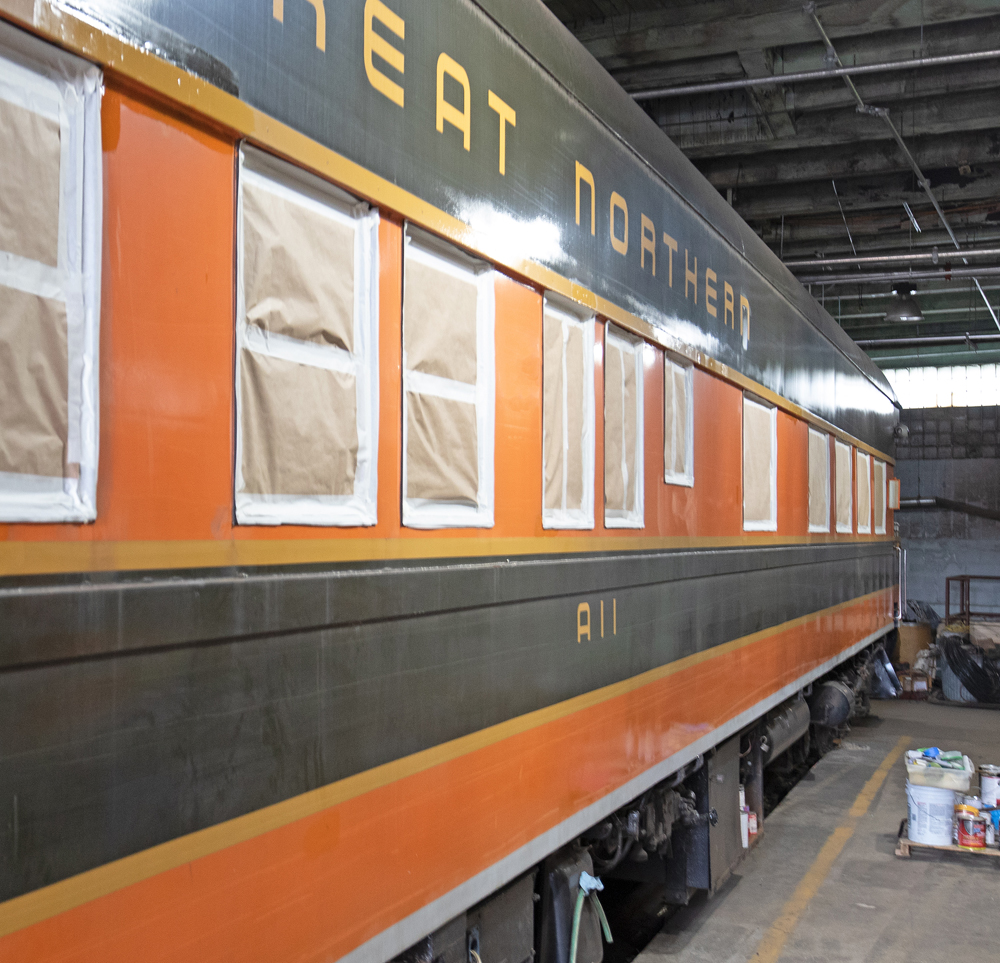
pixel 757 441
pixel 552 410
pixel 439 323
pixel 843 458
pixel 34 384
pixel 879 497
pixel 298 270
pixel 619 428
pixel 29 184
pixel 442 458
pixel 575 401
pixel 864 494
pixel 819 479
pixel 556 465
pixel 299 428
pixel 675 424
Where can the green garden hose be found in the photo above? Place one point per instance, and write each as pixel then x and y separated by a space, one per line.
pixel 588 887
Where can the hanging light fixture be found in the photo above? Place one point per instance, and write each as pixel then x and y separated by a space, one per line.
pixel 903 309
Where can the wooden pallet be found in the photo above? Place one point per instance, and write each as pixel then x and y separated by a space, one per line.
pixel 904 845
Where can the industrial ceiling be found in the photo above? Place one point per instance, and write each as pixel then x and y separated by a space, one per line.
pixel 869 184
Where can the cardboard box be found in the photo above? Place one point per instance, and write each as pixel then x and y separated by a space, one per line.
pixel 913 636
pixel 916 685
pixel 985 634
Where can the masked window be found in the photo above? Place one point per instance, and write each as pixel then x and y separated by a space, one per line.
pixel 760 466
pixel 623 430
pixel 50 260
pixel 448 386
pixel 567 419
pixel 879 497
pixel 864 479
pixel 819 481
pixel 307 350
pixel 678 423
pixel 845 504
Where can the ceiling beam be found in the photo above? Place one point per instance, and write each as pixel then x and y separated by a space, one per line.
pixel 768 101
pixel 797 197
pixel 887 90
pixel 958 148
pixel 932 40
pixel 876 233
pixel 822 89
pixel 897 91
pixel 676 32
pixel 961 111
pixel 935 40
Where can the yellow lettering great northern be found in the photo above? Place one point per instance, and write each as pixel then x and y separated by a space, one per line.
pixel 380 47
pixel 672 249
pixel 278 12
pixel 584 175
pixel 620 244
pixel 449 112
pixel 647 242
pixel 507 116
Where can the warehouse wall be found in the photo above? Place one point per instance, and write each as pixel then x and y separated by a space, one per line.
pixel 950 453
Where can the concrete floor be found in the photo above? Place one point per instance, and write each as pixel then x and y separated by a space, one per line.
pixel 870 905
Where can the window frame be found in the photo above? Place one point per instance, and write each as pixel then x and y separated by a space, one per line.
pixel 626 342
pixel 684 479
pixel 843 529
pixel 892 495
pixel 770 524
pixel 880 524
pixel 421 513
pixel 860 455
pixel 294 184
pixel 812 527
pixel 35 73
pixel 567 314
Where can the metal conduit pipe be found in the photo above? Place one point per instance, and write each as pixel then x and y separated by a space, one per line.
pixel 811 75
pixel 882 277
pixel 932 256
pixel 951 505
pixel 883 113
pixel 931 339
pixel 952 288
pixel 926 312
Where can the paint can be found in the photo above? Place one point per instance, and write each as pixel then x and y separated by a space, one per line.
pixel 752 823
pixel 931 814
pixel 971 831
pixel 989 784
pixel 993 817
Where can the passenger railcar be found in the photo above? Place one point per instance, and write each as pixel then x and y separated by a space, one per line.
pixel 406 461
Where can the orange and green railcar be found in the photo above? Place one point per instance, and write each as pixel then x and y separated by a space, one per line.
pixel 406 461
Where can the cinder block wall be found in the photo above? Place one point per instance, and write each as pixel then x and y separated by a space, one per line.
pixel 937 433
pixel 950 453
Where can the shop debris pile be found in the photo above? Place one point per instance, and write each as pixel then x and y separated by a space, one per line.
pixel 944 806
pixel 957 662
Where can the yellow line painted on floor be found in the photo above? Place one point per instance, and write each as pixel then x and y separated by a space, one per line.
pixel 773 942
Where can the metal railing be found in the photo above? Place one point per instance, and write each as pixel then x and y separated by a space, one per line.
pixel 965 613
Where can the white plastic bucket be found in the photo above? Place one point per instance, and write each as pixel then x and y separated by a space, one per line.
pixel 931 814
pixel 989 784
